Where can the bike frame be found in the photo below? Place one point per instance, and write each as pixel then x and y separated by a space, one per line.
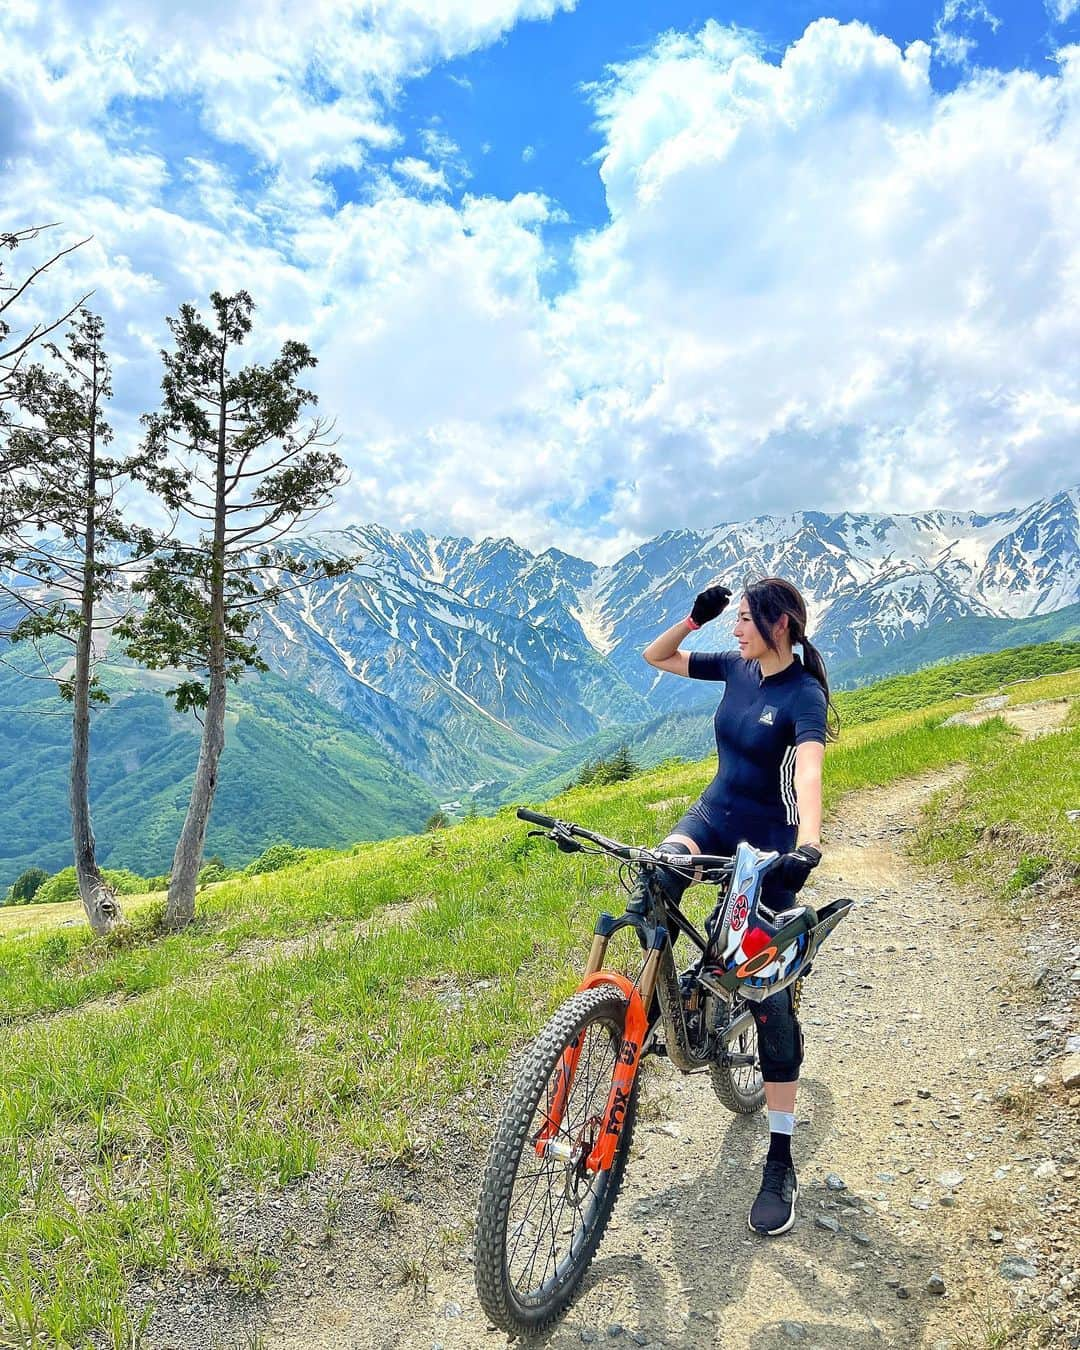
pixel 658 977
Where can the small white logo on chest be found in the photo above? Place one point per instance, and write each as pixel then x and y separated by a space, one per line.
pixel 768 717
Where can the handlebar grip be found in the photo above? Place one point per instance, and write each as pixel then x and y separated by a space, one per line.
pixel 708 861
pixel 535 818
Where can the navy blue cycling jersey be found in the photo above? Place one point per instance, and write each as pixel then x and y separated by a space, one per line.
pixel 759 722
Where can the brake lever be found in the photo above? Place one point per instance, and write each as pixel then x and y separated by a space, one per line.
pixel 563 842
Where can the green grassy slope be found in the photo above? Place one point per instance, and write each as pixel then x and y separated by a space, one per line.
pixel 291 770
pixel 222 1061
pixel 960 638
pixel 976 675
pixel 1007 824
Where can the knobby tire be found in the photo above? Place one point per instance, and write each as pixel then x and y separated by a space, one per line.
pixel 522 1299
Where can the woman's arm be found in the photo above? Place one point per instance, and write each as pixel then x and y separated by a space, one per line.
pixel 664 654
pixel 809 757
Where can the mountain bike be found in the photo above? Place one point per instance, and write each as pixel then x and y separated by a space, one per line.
pixel 563 1141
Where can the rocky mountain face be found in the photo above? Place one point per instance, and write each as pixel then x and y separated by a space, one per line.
pixel 471 661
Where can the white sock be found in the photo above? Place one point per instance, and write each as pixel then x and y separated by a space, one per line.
pixel 782 1122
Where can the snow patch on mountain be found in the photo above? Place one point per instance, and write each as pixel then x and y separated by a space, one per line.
pixel 505 652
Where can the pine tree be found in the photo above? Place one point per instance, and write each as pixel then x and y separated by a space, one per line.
pixel 242 470
pixel 587 773
pixel 621 765
pixel 65 546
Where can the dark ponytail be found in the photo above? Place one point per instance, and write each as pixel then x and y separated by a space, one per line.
pixel 769 600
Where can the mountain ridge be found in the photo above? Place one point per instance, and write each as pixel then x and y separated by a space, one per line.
pixel 509 654
pixel 443 669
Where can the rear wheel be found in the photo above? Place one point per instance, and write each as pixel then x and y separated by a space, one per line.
pixel 540 1219
pixel 739 1087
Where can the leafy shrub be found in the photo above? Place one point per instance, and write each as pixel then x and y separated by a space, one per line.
pixel 64 885
pixel 274 859
pixel 439 821
pixel 215 870
pixel 125 882
pixel 25 887
pixel 158 883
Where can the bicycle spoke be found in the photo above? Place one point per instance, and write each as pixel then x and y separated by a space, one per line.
pixel 747 1073
pixel 553 1246
pixel 522 1223
pixel 526 1274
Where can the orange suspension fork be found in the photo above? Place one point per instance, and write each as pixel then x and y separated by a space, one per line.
pixel 626 1066
pixel 638 996
pixel 567 1068
pixel 570 1056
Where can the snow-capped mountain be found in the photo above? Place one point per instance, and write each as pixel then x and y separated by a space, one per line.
pixel 469 660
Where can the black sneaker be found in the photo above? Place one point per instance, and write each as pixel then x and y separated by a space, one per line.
pixel 773 1212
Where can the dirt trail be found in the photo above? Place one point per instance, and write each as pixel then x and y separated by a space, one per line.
pixel 913 1023
pixel 1033 719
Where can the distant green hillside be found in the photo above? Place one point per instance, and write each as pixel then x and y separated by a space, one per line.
pixel 291 770
pixel 687 734
pixel 959 638
pixel 976 675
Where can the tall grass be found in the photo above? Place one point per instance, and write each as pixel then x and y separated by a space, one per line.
pixel 1007 824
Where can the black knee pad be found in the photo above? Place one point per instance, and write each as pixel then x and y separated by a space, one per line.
pixel 779 1037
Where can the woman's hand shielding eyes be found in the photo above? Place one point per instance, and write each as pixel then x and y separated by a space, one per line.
pixel 711 602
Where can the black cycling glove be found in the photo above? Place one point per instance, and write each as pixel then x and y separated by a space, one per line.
pixel 711 602
pixel 793 868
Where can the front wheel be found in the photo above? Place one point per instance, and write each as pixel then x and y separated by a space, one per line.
pixel 739 1087
pixel 542 1214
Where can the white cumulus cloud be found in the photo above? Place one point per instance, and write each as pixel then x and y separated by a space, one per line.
pixel 821 283
pixel 826 284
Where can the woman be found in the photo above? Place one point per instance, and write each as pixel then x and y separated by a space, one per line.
pixel 771 728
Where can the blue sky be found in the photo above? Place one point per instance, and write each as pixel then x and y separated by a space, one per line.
pixel 581 271
pixel 528 92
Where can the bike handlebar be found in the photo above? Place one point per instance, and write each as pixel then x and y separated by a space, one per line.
pixel 628 853
pixel 535 818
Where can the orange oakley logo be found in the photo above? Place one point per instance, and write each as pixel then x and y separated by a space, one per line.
pixel 757 962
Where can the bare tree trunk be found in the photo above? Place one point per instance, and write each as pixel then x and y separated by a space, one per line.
pixel 187 859
pixel 99 900
pixel 102 908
